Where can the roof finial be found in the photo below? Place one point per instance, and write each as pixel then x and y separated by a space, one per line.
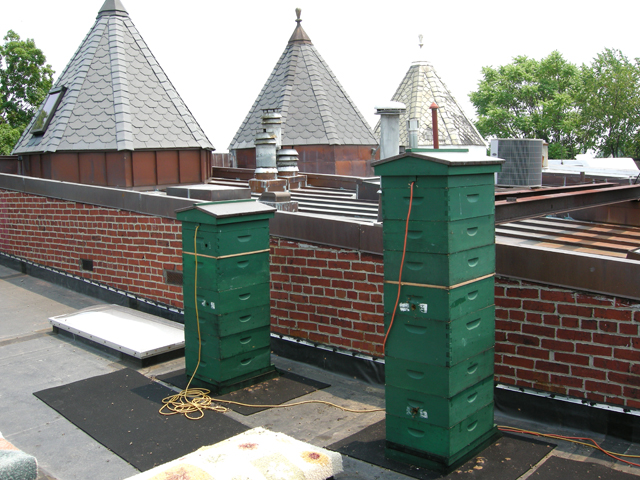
pixel 420 37
pixel 299 35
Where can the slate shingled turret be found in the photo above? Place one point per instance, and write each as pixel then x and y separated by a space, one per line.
pixel 117 98
pixel 319 119
pixel 421 87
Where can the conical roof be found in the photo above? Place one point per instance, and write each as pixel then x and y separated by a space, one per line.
pixel 315 108
pixel 419 89
pixel 117 97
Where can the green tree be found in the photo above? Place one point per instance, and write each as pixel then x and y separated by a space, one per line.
pixel 609 96
pixel 531 99
pixel 25 80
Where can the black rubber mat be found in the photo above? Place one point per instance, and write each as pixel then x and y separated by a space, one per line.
pixel 557 468
pixel 120 411
pixel 507 459
pixel 271 392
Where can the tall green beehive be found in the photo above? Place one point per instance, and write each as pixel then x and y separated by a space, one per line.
pixel 225 258
pixel 439 352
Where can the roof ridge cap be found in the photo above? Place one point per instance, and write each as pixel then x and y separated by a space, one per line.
pixel 121 98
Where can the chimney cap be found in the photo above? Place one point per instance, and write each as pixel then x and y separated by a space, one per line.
pixel 390 108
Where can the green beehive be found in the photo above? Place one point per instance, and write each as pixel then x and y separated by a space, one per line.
pixel 439 303
pixel 226 293
pixel 440 411
pixel 441 343
pixel 439 351
pixel 228 346
pixel 409 438
pixel 439 237
pixel 228 301
pixel 226 273
pixel 432 379
pixel 226 239
pixel 229 323
pixel 224 374
pixel 438 205
pixel 430 269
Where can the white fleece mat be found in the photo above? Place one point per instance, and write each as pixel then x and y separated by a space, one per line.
pixel 256 454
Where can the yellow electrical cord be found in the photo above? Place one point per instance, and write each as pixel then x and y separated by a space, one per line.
pixel 196 400
pixel 578 440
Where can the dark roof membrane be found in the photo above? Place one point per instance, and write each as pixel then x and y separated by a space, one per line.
pixel 113 7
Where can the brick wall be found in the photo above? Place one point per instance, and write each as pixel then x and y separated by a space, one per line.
pixel 327 295
pixel 558 340
pixel 573 343
pixel 130 251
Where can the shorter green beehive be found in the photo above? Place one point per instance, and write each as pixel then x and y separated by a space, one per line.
pixel 226 293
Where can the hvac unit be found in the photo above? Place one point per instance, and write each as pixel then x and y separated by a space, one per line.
pixel 523 161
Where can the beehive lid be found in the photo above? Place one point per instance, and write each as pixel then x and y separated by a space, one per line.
pixel 225 212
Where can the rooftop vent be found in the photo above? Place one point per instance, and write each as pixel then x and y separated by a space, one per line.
pixel 523 161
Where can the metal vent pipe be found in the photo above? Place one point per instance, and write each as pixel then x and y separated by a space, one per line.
pixel 390 128
pixel 413 126
pixel 266 155
pixel 272 123
pixel 434 122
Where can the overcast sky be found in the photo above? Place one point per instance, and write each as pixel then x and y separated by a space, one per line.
pixel 219 54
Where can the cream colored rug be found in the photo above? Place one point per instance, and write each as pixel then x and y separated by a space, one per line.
pixel 257 454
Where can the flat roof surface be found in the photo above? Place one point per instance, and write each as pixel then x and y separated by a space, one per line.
pixel 32 359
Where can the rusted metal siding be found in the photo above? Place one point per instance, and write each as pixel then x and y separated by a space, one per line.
pixel 354 160
pixel 119 169
pixel 328 159
pixel 93 168
pixel 32 166
pixel 10 164
pixel 233 173
pixel 167 167
pixel 144 169
pixel 45 165
pixel 122 169
pixel 190 166
pixel 221 160
pixel 65 167
pixel 316 158
pixel 550 202
pixel 246 158
pixel 627 213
